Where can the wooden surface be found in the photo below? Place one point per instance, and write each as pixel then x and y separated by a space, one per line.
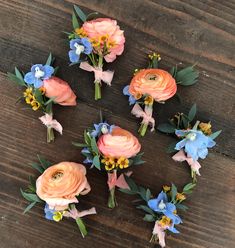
pixel 185 31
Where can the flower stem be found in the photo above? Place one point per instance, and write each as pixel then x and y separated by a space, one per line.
pixel 81 227
pixel 50 134
pixel 143 128
pixel 112 203
pixel 153 238
pixel 97 90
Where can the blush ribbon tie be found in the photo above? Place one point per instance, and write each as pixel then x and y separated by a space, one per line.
pixel 181 156
pixel 75 214
pixel 100 75
pixel 48 121
pixel 146 114
pixel 120 181
pixel 160 232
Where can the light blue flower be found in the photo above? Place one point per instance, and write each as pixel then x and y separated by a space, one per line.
pixel 195 143
pixel 78 46
pixel 49 213
pixel 88 159
pixel 126 92
pixel 103 128
pixel 38 73
pixel 161 205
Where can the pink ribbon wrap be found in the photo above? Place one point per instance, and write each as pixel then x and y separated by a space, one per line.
pixel 181 156
pixel 120 181
pixel 48 121
pixel 160 232
pixel 75 214
pixel 100 75
pixel 146 114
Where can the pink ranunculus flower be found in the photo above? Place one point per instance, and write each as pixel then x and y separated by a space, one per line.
pixel 59 185
pixel 60 90
pixel 105 29
pixel 118 143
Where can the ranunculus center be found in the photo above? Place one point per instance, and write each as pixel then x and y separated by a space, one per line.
pixel 39 73
pixel 79 48
pixel 57 175
pixel 151 77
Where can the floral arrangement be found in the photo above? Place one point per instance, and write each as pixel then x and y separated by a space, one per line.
pixel 162 210
pixel 41 89
pixel 154 84
pixel 59 187
pixel 195 139
pixel 92 43
pixel 111 149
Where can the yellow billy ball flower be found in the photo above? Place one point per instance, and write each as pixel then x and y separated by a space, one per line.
pixel 205 128
pixel 180 197
pixel 123 163
pixel 165 221
pixel 35 105
pixel 166 188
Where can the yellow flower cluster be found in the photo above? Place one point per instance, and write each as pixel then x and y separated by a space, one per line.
pixel 80 32
pixel 154 56
pixel 30 99
pixel 205 128
pixel 103 41
pixel 166 188
pixel 165 221
pixel 112 163
pixel 180 197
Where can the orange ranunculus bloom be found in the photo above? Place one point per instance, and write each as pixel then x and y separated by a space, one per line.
pixel 119 143
pixel 157 83
pixel 59 185
pixel 60 90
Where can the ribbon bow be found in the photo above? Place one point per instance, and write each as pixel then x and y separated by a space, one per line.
pixel 48 121
pixel 146 114
pixel 181 156
pixel 120 181
pixel 75 214
pixel 100 75
pixel 160 232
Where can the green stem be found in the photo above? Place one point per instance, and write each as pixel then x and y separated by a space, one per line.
pixel 153 239
pixel 143 128
pixel 81 227
pixel 50 134
pixel 196 125
pixel 97 90
pixel 112 203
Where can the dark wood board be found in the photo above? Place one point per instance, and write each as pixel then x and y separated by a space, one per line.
pixel 184 32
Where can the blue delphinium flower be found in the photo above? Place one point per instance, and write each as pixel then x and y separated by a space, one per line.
pixel 126 92
pixel 49 213
pixel 161 205
pixel 195 143
pixel 101 127
pixel 85 152
pixel 78 46
pixel 38 73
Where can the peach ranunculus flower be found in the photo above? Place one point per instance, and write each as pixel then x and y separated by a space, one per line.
pixel 59 185
pixel 60 90
pixel 105 30
pixel 118 143
pixel 157 83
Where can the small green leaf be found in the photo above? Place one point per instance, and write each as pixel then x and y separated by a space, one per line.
pixel 173 191
pixel 49 59
pixel 149 218
pixel 131 184
pixel 19 75
pixel 15 79
pixel 38 96
pixel 148 194
pixel 181 206
pixel 185 121
pixel 75 21
pixel 146 209
pixel 55 70
pixel 215 134
pixel 37 167
pixel 94 146
pixel 173 71
pixel 127 191
pixel 96 162
pixel 187 76
pixel 44 163
pixel 189 186
pixel 142 192
pixel 80 13
pixel 32 204
pixel 87 138
pixel 91 16
pixel 166 128
pixel 79 144
pixel 192 112
pixel 49 108
pixel 30 197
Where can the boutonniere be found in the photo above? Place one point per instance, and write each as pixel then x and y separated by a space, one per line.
pixel 111 149
pixel 195 139
pixel 59 187
pixel 94 41
pixel 41 88
pixel 155 85
pixel 162 210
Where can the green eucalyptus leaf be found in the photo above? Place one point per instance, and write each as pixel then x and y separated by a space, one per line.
pixel 215 134
pixel 148 194
pixel 38 96
pixel 87 138
pixel 30 197
pixel 80 13
pixel 79 144
pixel 93 15
pixel 15 79
pixel 75 21
pixel 173 191
pixel 173 71
pixel 127 191
pixel 44 163
pixel 49 59
pixel 32 204
pixel 96 162
pixel 37 167
pixel 192 112
pixel 146 209
pixel 187 76
pixel 189 186
pixel 132 184
pixel 19 75
pixel 166 128
pixel 94 146
pixel 149 218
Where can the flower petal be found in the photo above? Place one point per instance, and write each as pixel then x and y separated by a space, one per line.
pixel 48 70
pixel 180 144
pixel 73 57
pixel 29 78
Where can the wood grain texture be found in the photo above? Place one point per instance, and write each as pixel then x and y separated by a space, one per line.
pixel 183 31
